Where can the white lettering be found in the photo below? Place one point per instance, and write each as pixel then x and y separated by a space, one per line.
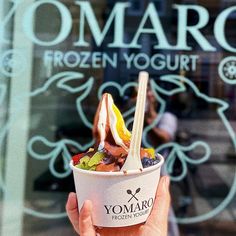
pixel 219 29
pixel 66 22
pixel 151 13
pixel 117 14
pixel 183 27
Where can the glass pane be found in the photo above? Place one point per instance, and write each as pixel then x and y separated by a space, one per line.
pixel 56 60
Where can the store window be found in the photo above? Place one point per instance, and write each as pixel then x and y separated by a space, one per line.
pixel 58 57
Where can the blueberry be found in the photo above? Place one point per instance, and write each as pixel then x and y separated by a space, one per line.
pixel 146 162
pixel 156 161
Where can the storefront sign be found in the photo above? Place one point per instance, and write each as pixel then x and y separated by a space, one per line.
pixel 117 21
pixel 117 17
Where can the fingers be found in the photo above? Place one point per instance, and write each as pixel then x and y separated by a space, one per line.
pixel 82 222
pixel 159 214
pixel 85 220
pixel 72 211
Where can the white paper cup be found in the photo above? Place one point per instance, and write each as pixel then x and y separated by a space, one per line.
pixel 119 199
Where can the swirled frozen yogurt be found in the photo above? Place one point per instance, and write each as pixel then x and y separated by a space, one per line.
pixel 112 141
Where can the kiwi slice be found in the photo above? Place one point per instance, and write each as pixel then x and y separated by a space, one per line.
pixel 83 164
pixel 96 159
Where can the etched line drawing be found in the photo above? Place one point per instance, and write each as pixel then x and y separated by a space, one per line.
pixel 227 70
pixel 177 151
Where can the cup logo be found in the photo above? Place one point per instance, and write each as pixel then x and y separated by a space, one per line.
pixel 137 207
pixel 133 195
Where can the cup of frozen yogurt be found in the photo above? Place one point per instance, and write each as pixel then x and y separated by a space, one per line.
pixel 119 198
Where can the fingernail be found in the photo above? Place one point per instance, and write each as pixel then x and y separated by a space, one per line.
pixel 89 204
pixel 71 194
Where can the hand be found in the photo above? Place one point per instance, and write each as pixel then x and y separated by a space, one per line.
pixel 150 115
pixel 156 224
pixel 149 120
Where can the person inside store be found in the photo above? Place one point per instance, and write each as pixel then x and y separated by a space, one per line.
pixel 166 127
pixel 163 132
pixel 156 224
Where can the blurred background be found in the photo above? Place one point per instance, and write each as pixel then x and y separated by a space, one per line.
pixel 58 57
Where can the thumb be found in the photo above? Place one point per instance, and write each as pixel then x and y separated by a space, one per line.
pixel 86 227
pixel 159 214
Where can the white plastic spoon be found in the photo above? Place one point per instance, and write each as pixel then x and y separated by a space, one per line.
pixel 133 160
